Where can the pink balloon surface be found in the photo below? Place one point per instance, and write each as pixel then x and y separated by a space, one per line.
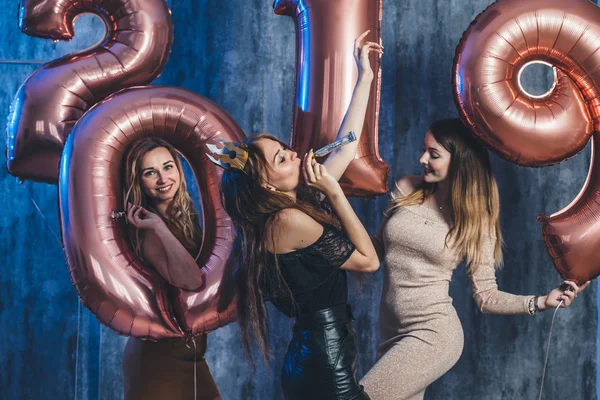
pixel 134 51
pixel 541 130
pixel 120 289
pixel 325 77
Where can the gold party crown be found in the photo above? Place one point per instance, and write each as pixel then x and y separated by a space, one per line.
pixel 231 155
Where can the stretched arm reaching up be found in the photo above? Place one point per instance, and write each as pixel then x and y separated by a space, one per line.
pixel 338 161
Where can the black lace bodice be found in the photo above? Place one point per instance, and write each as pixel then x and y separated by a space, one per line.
pixel 312 274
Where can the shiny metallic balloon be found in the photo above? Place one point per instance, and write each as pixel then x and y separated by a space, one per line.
pixel 122 291
pixel 325 77
pixel 139 35
pixel 542 130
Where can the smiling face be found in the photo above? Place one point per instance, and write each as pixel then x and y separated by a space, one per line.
pixel 435 160
pixel 284 172
pixel 159 177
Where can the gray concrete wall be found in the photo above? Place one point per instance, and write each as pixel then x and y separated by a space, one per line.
pixel 239 54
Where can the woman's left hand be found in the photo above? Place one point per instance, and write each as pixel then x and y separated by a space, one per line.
pixel 316 176
pixel 361 55
pixel 565 293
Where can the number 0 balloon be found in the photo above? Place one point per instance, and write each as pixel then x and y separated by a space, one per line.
pixel 540 130
pixel 112 281
pixel 122 291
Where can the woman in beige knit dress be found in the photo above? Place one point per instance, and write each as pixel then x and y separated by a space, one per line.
pixel 434 222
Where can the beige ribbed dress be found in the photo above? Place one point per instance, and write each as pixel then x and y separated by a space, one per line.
pixel 421 335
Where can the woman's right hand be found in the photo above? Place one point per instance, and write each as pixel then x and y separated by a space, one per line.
pixel 316 176
pixel 361 55
pixel 141 218
pixel 563 295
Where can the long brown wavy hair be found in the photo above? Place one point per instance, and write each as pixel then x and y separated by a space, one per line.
pixel 252 208
pixel 181 217
pixel 475 201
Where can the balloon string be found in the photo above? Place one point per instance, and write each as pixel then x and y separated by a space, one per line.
pixel 77 347
pixel 99 362
pixel 193 340
pixel 548 350
pixel 195 364
pixel 22 61
pixel 43 216
pixel 78 302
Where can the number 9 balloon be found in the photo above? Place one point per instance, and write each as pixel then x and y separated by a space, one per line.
pixel 542 130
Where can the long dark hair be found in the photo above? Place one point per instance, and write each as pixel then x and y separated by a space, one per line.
pixel 252 208
pixel 474 193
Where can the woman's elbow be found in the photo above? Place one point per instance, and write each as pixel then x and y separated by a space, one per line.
pixel 361 263
pixel 193 288
pixel 481 304
pixel 190 285
pixel 372 265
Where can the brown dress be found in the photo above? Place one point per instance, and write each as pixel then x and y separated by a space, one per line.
pixel 164 370
pixel 421 335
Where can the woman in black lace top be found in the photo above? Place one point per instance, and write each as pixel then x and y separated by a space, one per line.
pixel 293 252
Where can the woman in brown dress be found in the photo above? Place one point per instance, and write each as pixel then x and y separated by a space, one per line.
pixel 164 230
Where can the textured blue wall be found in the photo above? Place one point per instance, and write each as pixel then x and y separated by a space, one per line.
pixel 239 54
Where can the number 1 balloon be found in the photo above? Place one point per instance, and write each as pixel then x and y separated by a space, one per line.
pixel 541 130
pixel 325 77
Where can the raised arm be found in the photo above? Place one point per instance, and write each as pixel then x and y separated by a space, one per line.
pixel 164 252
pixel 364 258
pixel 338 161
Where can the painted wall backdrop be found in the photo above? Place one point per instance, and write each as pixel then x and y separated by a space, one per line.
pixel 241 55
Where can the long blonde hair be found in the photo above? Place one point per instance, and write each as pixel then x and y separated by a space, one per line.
pixel 181 218
pixel 475 201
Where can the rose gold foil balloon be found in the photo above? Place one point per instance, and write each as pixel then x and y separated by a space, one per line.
pixel 325 77
pixel 123 292
pixel 138 39
pixel 540 130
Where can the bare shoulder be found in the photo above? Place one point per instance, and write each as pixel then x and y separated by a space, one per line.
pixel 292 229
pixel 407 184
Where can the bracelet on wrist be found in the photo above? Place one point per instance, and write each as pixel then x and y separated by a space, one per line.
pixel 531 307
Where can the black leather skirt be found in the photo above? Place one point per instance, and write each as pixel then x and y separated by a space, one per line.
pixel 320 363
